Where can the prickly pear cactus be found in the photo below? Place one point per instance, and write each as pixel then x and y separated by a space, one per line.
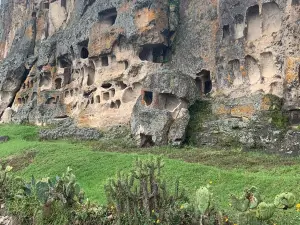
pixel 203 200
pixel 265 211
pixel 240 204
pixel 249 200
pixel 249 218
pixel 42 191
pixel 285 200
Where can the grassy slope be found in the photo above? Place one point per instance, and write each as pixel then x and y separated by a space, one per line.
pixel 93 164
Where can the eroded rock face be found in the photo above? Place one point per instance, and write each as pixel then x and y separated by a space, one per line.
pixel 144 63
pixel 87 60
pixel 160 115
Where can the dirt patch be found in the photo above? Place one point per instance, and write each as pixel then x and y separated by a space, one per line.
pixel 19 162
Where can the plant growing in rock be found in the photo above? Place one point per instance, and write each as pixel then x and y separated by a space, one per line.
pixel 253 211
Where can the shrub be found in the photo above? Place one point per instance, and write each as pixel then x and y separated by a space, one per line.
pixel 5 182
pixel 253 211
pixel 142 197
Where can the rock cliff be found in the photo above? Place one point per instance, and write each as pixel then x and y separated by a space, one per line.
pixel 144 63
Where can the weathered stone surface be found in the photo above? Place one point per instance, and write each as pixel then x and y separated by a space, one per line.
pixel 160 115
pixel 100 62
pixel 7 116
pixel 67 129
pixel 150 126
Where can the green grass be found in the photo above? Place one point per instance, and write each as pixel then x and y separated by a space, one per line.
pixel 94 162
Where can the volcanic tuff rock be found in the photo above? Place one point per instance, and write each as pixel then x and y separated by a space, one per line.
pixel 108 63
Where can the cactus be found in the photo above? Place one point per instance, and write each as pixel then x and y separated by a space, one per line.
pixel 203 200
pixel 285 200
pixel 67 190
pixel 64 189
pixel 42 191
pixel 249 200
pixel 240 204
pixel 265 211
pixel 248 218
pixel 5 181
pixel 141 194
pixel 253 211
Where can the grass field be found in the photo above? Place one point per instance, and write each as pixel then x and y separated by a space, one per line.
pixel 229 172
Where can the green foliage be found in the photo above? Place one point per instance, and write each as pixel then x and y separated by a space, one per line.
pixel 229 170
pixel 253 211
pixel 67 189
pixel 285 200
pixel 142 197
pixel 249 200
pixel 203 200
pixel 199 113
pixel 5 182
pixel 265 211
pixel 46 201
pixel 278 118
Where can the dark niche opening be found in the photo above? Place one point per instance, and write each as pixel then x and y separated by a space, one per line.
pixel 106 85
pixel 226 31
pixel 58 82
pixel 118 103
pixel 294 117
pixel 108 17
pixel 97 99
pixel 295 2
pixel 148 97
pixel 146 141
pixel 84 54
pixel 203 82
pixel 104 60
pixel 253 21
pixel 154 53
pixel 46 5
pixel 63 3
pixel 126 64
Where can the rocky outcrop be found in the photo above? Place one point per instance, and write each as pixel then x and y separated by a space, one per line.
pixel 160 115
pixel 143 63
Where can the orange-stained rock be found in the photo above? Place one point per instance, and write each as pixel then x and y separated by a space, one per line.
pixel 243 111
pixel 102 41
pixel 222 110
pixel 291 73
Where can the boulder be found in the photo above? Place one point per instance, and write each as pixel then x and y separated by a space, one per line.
pixel 161 115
